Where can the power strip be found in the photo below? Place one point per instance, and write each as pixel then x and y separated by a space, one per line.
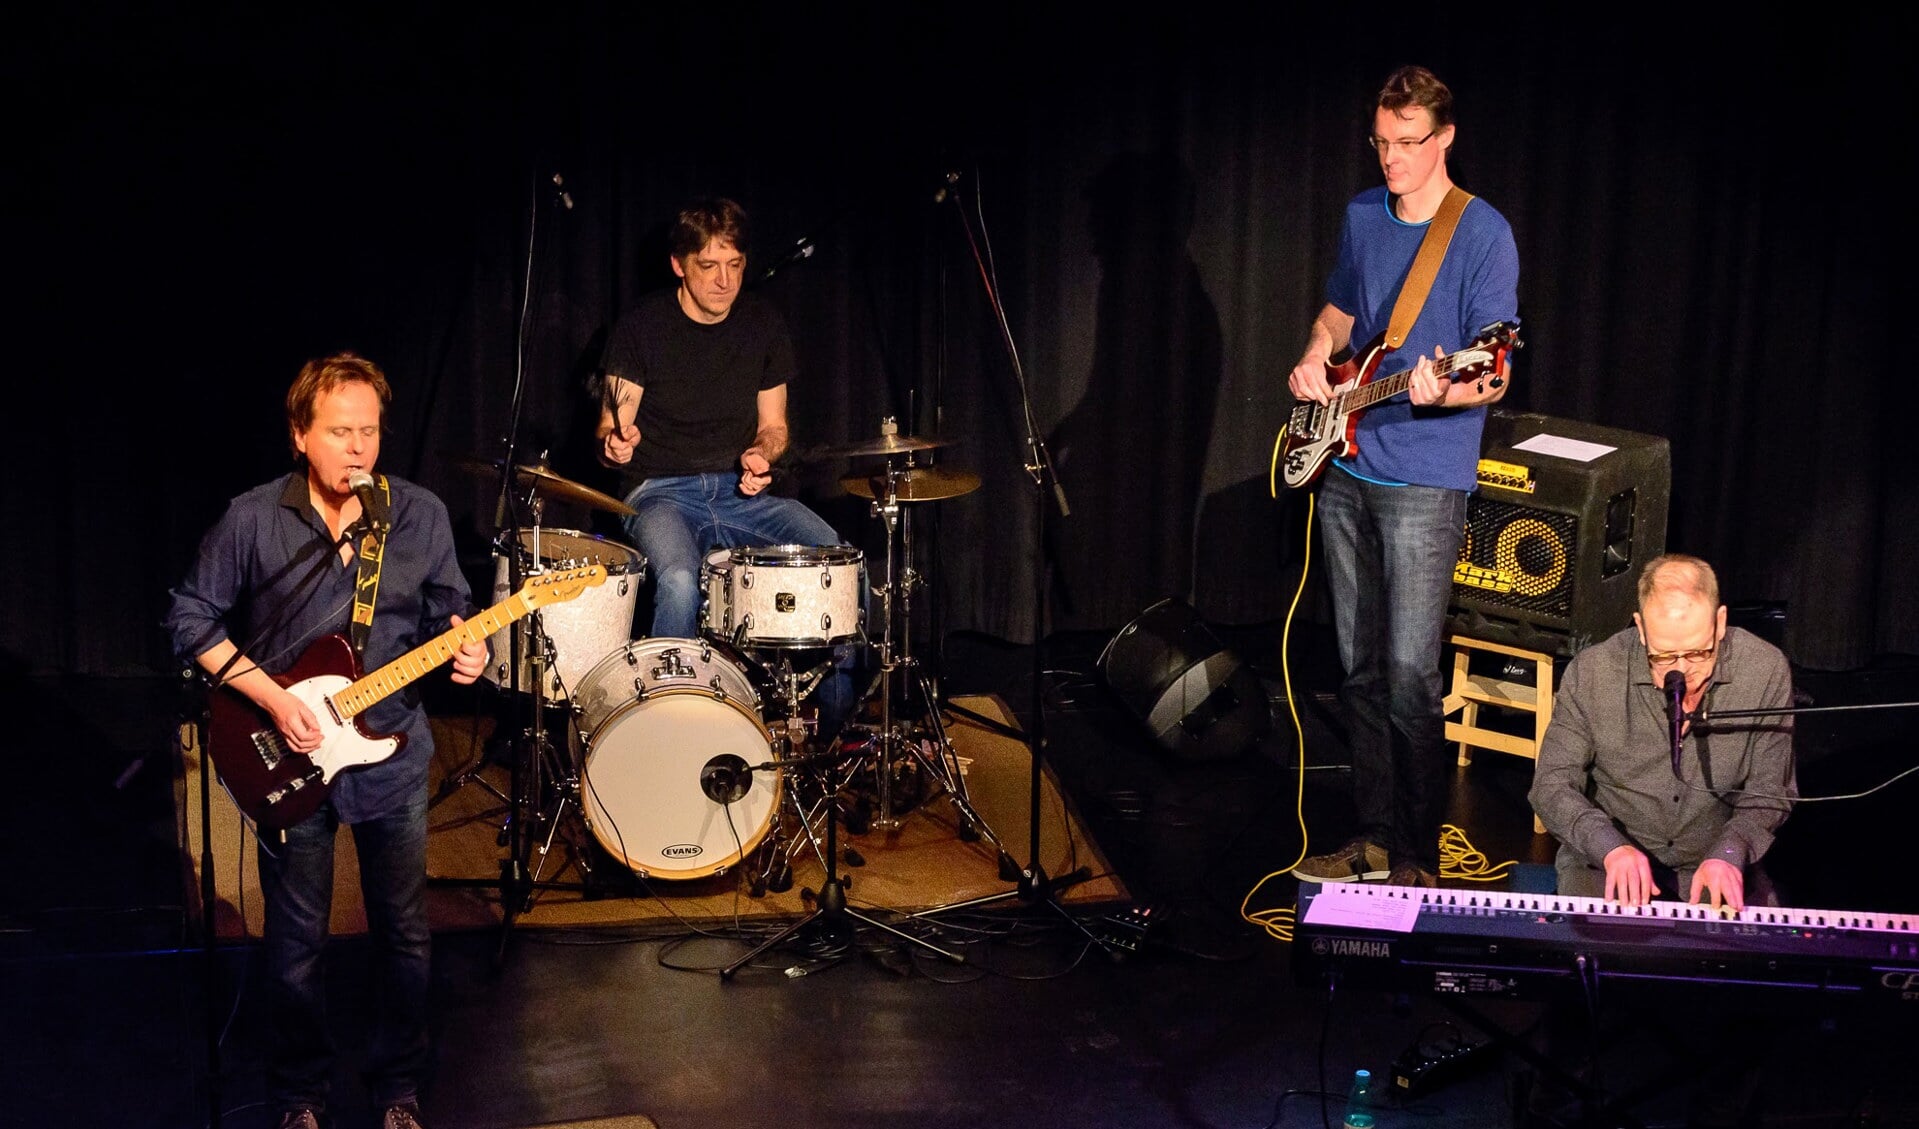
pixel 1419 1069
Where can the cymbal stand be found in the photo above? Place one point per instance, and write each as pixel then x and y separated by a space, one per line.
pixel 943 767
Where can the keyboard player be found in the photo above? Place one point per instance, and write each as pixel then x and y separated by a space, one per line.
pixel 1645 793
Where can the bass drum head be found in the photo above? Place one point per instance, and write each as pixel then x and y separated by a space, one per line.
pixel 642 789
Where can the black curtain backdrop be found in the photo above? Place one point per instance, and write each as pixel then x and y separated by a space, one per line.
pixel 197 202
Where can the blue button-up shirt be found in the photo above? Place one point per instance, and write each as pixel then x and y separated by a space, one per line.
pixel 242 580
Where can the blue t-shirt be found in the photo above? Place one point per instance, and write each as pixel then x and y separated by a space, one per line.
pixel 1477 285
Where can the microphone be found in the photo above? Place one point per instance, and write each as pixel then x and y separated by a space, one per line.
pixel 565 197
pixel 372 511
pixel 1676 709
pixel 802 248
pixel 726 779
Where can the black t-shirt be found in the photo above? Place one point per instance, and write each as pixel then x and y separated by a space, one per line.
pixel 701 382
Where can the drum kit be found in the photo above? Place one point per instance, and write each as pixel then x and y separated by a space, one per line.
pixel 682 758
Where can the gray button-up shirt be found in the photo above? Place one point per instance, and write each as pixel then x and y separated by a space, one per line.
pixel 1605 778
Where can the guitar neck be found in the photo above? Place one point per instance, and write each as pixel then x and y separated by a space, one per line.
pixel 1372 392
pixel 426 658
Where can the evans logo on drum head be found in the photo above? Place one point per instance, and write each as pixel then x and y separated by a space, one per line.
pixel 681 850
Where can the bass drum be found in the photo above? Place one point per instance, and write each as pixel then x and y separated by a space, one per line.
pixel 671 728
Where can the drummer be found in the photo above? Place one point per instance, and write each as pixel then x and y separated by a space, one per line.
pixel 694 415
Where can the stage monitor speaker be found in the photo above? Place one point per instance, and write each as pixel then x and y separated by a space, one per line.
pixel 1197 698
pixel 1566 515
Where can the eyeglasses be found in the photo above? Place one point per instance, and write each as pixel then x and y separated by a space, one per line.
pixel 1668 658
pixel 1407 148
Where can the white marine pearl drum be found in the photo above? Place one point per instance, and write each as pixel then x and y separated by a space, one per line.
pixel 581 630
pixel 670 727
pixel 784 595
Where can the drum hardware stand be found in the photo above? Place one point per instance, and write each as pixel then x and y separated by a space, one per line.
pixel 533 750
pixel 830 913
pixel 1033 884
pixel 944 769
pixel 794 735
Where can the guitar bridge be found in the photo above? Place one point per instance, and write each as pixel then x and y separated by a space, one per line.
pixel 267 743
pixel 1306 420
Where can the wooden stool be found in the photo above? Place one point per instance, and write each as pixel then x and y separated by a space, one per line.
pixel 1470 691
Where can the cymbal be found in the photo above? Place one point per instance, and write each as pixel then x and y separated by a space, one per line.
pixel 882 445
pixel 552 485
pixel 915 484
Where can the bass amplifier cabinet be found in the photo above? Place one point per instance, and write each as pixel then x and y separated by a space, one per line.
pixel 1566 515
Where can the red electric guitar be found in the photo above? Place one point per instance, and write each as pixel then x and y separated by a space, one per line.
pixel 1317 432
pixel 277 787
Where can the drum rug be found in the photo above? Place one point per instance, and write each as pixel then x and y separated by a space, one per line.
pixel 925 862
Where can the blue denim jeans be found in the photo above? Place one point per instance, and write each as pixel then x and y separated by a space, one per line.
pixel 296 879
pixel 679 518
pixel 1389 554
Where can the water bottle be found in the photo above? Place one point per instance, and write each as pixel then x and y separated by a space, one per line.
pixel 1359 1103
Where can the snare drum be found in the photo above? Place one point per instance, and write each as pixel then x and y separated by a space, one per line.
pixel 671 727
pixel 581 630
pixel 784 595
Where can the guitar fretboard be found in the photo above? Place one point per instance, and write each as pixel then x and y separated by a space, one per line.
pixel 1366 395
pixel 437 651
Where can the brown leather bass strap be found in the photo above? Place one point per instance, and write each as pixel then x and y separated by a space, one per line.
pixel 1419 280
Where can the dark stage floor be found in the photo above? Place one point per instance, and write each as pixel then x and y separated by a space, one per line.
pixel 1203 1025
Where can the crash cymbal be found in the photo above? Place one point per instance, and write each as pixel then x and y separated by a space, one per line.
pixel 882 445
pixel 552 485
pixel 915 484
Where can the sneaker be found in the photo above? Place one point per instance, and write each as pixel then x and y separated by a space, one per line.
pixel 1407 874
pixel 299 1119
pixel 406 1116
pixel 1357 861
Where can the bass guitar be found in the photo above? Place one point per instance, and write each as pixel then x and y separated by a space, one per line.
pixel 275 786
pixel 1317 432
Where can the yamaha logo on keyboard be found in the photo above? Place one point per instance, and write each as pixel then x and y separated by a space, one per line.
pixel 1342 947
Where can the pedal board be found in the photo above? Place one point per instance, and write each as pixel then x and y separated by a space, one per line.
pixel 1123 932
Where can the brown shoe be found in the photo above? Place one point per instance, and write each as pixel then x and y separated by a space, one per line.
pixel 1407 874
pixel 1357 861
pixel 405 1116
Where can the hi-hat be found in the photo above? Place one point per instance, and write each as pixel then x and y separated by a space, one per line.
pixel 552 485
pixel 882 445
pixel 914 484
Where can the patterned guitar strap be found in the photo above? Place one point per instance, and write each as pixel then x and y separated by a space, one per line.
pixel 366 588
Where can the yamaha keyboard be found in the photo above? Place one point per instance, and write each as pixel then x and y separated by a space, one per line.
pixel 1496 943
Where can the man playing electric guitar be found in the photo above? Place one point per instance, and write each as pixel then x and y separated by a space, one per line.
pixel 1393 511
pixel 277 572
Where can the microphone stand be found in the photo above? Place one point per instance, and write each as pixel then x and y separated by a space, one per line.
pixel 1033 886
pixel 725 776
pixel 200 685
pixel 516 884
